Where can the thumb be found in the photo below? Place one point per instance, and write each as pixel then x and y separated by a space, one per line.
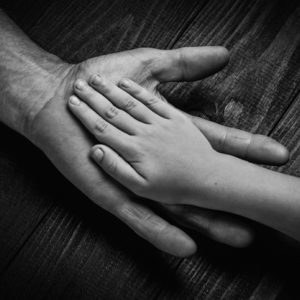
pixel 189 63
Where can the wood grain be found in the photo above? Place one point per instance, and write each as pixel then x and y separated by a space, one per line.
pixel 287 132
pixel 74 30
pixel 23 202
pixel 57 244
pixel 263 75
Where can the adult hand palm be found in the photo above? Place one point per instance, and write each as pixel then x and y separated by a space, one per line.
pixel 67 144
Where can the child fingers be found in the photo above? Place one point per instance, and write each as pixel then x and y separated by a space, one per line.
pixel 115 166
pixel 122 99
pixel 153 102
pixel 102 130
pixel 105 108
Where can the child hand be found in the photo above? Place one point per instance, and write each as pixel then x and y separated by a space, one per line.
pixel 157 152
pixel 146 144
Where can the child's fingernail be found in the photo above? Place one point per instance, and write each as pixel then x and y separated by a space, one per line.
pixel 98 154
pixel 125 83
pixel 79 84
pixel 74 100
pixel 96 79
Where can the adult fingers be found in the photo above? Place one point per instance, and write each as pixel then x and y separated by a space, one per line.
pixel 150 100
pixel 189 63
pixel 219 226
pixel 154 229
pixel 115 166
pixel 252 147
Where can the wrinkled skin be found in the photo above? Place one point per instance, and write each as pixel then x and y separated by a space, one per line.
pixel 67 144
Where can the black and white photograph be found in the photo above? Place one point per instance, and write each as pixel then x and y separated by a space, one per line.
pixel 149 149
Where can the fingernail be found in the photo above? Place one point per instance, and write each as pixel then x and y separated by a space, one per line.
pixel 98 154
pixel 96 79
pixel 79 84
pixel 74 100
pixel 125 83
pixel 278 152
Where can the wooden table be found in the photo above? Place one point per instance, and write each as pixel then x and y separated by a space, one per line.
pixel 56 244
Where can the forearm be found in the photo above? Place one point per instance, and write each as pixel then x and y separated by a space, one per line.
pixel 27 74
pixel 268 197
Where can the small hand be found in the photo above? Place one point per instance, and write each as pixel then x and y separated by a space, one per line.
pixel 67 145
pixel 37 85
pixel 147 145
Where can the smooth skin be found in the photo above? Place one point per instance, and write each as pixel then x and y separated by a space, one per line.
pixel 35 87
pixel 157 152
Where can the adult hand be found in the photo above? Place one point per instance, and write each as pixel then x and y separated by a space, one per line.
pixel 66 143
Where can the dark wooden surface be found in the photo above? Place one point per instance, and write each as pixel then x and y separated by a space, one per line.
pixel 55 244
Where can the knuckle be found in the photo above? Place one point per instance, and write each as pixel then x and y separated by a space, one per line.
pixel 131 213
pixel 152 101
pixel 143 221
pixel 249 143
pixel 222 141
pixel 100 127
pixel 158 228
pixel 102 84
pixel 111 112
pixel 182 63
pixel 112 167
pixel 130 104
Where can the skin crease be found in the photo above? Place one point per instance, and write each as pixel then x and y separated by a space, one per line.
pixel 36 86
pixel 158 153
pixel 150 146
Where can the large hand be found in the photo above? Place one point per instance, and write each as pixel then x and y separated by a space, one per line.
pixel 67 144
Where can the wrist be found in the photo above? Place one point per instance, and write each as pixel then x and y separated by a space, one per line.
pixel 29 83
pixel 259 194
pixel 224 185
pixel 48 77
pixel 242 188
pixel 204 188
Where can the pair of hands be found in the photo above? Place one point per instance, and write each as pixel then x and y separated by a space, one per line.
pixel 147 145
pixel 67 144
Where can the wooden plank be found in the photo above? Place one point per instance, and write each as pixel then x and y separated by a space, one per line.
pixel 50 27
pixel 252 93
pixel 287 132
pixel 77 252
pixel 23 202
pixel 29 198
pixel 83 253
pixel 263 75
pixel 77 30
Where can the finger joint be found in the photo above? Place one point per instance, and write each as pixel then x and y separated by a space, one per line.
pixel 131 104
pixel 100 127
pixel 152 101
pixel 112 167
pixel 111 112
